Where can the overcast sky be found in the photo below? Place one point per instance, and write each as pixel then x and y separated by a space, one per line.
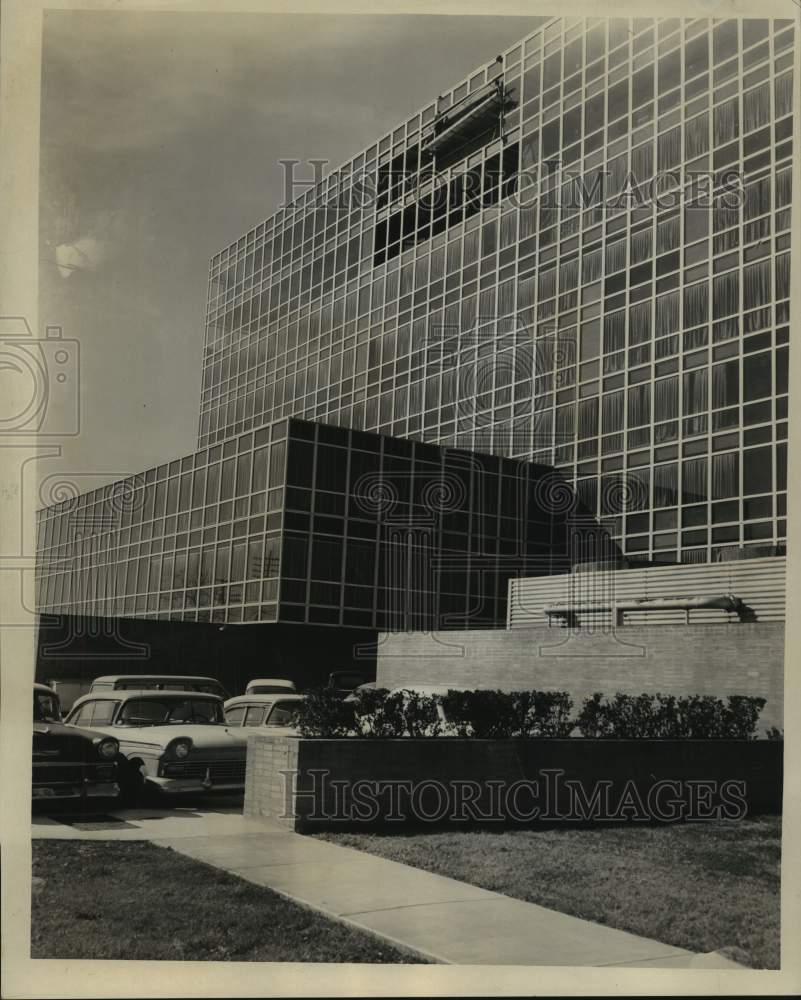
pixel 161 136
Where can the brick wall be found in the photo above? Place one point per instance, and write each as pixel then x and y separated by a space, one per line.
pixel 266 790
pixel 742 658
pixel 414 781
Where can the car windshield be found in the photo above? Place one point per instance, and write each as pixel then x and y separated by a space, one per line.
pixel 45 707
pixel 345 681
pixel 284 713
pixel 170 711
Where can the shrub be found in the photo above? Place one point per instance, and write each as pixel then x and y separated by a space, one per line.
pixel 324 712
pixel 504 714
pixel 489 714
pixel 420 713
pixel 774 733
pixel 484 715
pixel 742 716
pixel 374 716
pixel 594 720
pixel 545 714
pixel 381 713
pixel 701 717
pixel 658 716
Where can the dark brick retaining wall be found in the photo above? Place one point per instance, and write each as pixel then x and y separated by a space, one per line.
pixel 741 658
pixel 317 802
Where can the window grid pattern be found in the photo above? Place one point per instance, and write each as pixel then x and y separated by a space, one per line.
pixel 305 522
pixel 197 538
pixel 515 326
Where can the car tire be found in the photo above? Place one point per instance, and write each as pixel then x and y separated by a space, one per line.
pixel 132 784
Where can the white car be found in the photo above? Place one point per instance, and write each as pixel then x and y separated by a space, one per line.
pixel 367 686
pixel 270 714
pixel 177 741
pixel 270 685
pixel 157 682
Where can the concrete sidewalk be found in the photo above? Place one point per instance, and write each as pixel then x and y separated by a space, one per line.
pixel 439 918
pixel 175 823
pixel 436 917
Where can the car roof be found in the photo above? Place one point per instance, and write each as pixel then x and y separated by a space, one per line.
pixel 153 677
pixel 131 693
pixel 424 688
pixel 263 699
pixel 271 680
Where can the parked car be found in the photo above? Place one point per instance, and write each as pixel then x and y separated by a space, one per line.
pixel 354 694
pixel 177 740
pixel 270 685
pixel 68 691
pixel 276 714
pixel 158 682
pixel 70 762
pixel 345 680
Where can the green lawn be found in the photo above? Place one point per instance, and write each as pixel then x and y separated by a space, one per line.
pixel 115 901
pixel 703 886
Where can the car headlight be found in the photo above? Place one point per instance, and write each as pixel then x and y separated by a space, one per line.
pixel 180 748
pixel 108 748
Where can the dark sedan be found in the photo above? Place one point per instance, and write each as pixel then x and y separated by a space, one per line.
pixel 70 763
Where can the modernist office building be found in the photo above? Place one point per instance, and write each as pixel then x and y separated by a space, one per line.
pixel 578 257
pixel 572 317
pixel 308 523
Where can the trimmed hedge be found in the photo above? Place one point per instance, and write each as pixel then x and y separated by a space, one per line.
pixel 485 714
pixel 503 714
pixel 658 716
pixel 381 713
pixel 324 712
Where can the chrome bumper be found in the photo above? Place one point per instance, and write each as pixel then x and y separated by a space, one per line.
pixel 72 790
pixel 179 786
